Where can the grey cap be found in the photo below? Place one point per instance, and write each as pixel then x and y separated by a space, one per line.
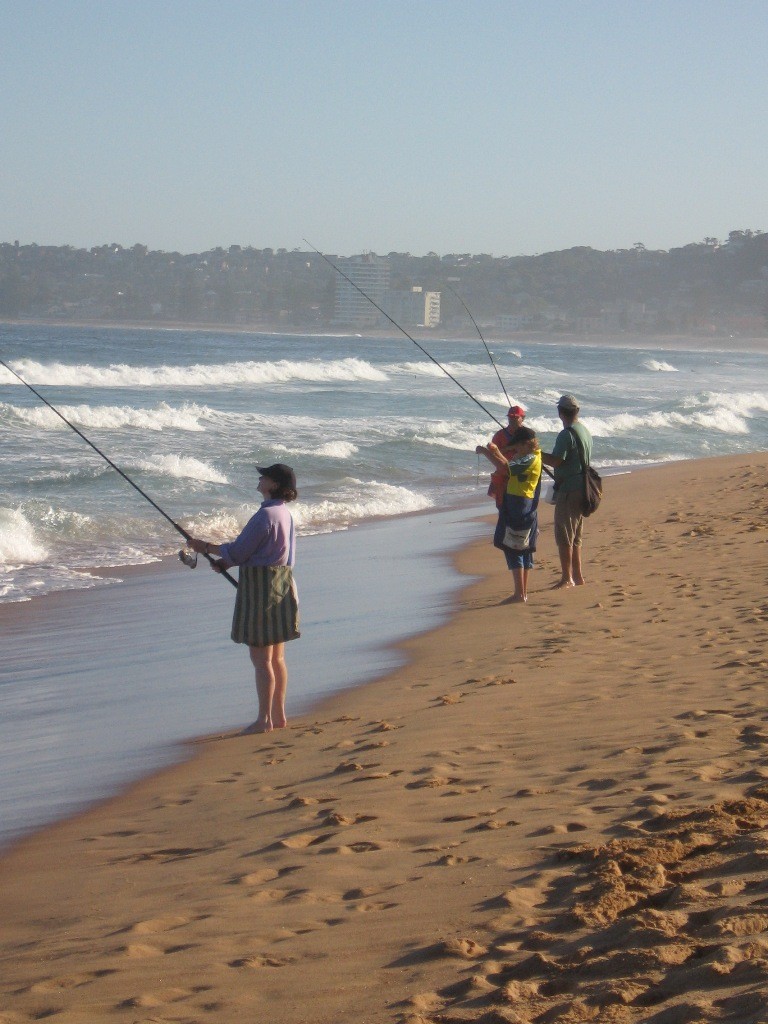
pixel 568 403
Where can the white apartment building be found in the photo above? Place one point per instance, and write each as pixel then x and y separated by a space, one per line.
pixel 414 308
pixel 369 272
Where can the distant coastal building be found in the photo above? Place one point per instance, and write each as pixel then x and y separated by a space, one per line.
pixel 414 308
pixel 369 272
pixel 411 307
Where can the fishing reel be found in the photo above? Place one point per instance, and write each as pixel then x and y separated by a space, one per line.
pixel 188 557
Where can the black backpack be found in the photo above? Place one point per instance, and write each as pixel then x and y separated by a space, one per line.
pixel 593 485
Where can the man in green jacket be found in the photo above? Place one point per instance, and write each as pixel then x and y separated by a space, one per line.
pixel 569 484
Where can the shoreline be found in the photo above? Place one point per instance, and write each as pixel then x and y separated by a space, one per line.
pixel 92 628
pixel 431 842
pixel 664 342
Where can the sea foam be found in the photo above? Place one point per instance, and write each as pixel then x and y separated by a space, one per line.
pixel 108 417
pixel 122 375
pixel 183 466
pixel 659 365
pixel 18 543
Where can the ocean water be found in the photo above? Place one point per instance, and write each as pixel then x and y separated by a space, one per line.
pixel 102 686
pixel 372 427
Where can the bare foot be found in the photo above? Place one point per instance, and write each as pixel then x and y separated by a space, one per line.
pixel 279 723
pixel 579 581
pixel 256 727
pixel 562 584
pixel 514 599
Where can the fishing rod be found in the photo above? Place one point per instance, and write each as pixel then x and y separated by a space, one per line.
pixel 480 333
pixel 490 356
pixel 175 525
pixel 403 331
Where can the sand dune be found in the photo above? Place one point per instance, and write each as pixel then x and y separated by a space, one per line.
pixel 555 812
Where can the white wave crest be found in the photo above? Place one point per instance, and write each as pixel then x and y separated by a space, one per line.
pixel 109 417
pixel 660 366
pixel 218 526
pixel 183 467
pixel 721 420
pixel 357 500
pixel 456 436
pixel 430 369
pixel 121 375
pixel 744 404
pixel 337 450
pixel 18 543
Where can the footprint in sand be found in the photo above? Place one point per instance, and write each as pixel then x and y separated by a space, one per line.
pixel 151 1000
pixel 257 960
pixel 267 895
pixel 433 782
pixel 167 855
pixel 301 842
pixel 350 766
pixel 336 818
pixel 450 860
pixel 68 981
pixel 597 785
pixel 571 826
pixel 255 877
pixel 370 908
pixel 159 924
pixel 142 950
pixel 361 847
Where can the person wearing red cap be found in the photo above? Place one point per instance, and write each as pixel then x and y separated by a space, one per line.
pixel 267 606
pixel 502 439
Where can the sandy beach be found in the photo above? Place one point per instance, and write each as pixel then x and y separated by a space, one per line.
pixel 552 812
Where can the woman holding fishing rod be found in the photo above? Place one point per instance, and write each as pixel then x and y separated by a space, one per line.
pixel 266 608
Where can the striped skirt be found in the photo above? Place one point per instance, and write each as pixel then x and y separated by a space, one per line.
pixel 267 606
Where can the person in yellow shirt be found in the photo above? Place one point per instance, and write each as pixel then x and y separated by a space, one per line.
pixel 517 525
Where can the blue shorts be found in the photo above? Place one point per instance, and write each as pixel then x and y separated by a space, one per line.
pixel 519 559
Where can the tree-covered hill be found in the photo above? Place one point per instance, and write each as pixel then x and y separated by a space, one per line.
pixel 703 288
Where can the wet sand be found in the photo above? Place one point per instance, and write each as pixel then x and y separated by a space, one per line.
pixel 553 812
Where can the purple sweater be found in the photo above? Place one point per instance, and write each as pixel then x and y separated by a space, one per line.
pixel 268 538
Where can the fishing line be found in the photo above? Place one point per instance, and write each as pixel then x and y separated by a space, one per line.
pixel 493 361
pixel 480 333
pixel 179 529
pixel 403 331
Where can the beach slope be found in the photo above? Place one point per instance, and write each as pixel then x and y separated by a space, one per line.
pixel 554 812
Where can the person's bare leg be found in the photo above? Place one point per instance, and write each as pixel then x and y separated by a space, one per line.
pixel 566 566
pixel 578 577
pixel 261 658
pixel 280 672
pixel 517 576
pixel 525 584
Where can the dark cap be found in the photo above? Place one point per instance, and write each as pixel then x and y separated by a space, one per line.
pixel 281 474
pixel 568 403
pixel 517 410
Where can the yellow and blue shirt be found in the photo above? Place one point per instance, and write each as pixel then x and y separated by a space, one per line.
pixel 524 475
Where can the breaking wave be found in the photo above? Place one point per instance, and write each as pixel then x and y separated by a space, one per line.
pixel 18 543
pixel 660 366
pixel 183 467
pixel 121 375
pixel 109 417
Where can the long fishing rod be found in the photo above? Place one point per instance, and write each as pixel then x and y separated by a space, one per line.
pixel 480 333
pixel 490 356
pixel 117 469
pixel 403 331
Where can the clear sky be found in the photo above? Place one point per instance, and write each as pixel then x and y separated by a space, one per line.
pixel 496 126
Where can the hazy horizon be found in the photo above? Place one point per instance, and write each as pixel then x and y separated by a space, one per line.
pixel 498 127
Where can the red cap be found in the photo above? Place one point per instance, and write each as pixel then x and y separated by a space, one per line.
pixel 517 410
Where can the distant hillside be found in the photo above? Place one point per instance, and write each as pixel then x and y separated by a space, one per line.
pixel 709 287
